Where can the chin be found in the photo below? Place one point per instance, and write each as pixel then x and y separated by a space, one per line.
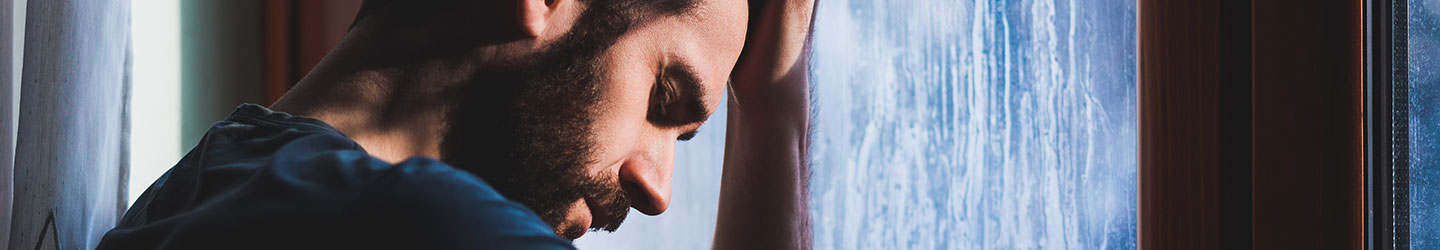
pixel 577 222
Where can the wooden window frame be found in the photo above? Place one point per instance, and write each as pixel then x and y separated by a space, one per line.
pixel 1251 124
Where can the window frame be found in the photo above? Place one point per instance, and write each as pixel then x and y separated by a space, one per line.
pixel 1386 125
pixel 1299 109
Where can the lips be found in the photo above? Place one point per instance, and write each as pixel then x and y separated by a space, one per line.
pixel 599 218
pixel 603 205
pixel 586 215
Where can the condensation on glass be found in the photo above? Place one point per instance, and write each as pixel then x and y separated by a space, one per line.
pixel 948 125
pixel 1424 122
pixel 975 125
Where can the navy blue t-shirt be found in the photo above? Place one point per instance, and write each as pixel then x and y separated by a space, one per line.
pixel 268 180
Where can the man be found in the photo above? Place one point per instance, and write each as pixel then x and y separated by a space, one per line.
pixel 460 124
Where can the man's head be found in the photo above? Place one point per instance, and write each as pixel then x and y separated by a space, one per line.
pixel 571 107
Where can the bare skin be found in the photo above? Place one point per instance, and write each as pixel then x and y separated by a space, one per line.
pixel 764 188
pixel 362 90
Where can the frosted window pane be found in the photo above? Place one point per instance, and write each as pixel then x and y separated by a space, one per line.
pixel 975 125
pixel 948 125
pixel 1424 46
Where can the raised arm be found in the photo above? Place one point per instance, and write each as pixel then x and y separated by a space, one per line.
pixel 764 191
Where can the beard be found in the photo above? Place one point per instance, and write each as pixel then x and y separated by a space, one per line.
pixel 526 127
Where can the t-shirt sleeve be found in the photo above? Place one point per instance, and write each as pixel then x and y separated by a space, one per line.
pixel 424 204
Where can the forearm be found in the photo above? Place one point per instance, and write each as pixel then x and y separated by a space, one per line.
pixel 764 187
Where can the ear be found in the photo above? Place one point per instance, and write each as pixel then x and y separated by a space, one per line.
pixel 535 16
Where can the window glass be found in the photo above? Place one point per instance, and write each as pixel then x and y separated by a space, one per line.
pixel 975 125
pixel 948 125
pixel 1424 55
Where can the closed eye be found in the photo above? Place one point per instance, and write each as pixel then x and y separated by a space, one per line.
pixel 676 99
pixel 687 136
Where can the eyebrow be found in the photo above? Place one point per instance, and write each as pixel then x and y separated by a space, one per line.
pixel 688 84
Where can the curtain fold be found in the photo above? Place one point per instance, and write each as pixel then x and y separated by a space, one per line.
pixel 70 145
pixel 9 108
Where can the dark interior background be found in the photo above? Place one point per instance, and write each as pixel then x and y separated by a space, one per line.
pixel 250 52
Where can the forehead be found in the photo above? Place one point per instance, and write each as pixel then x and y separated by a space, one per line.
pixel 708 39
pixel 721 23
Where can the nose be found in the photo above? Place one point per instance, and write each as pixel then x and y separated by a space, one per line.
pixel 647 179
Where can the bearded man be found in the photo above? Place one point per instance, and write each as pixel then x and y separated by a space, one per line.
pixel 522 124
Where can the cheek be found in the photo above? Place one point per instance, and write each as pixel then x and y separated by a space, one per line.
pixel 616 141
pixel 620 124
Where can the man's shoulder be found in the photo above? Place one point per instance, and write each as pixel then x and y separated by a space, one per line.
pixel 424 184
pixel 421 199
pixel 428 201
pixel 347 199
pixel 267 180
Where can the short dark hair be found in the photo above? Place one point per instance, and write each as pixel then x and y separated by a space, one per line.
pixel 636 10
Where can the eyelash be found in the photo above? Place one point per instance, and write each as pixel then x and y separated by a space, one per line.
pixel 687 136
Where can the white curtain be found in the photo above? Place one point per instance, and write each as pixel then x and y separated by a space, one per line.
pixel 9 106
pixel 66 119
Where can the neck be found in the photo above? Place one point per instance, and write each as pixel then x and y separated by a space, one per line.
pixel 394 111
pixel 389 89
pixel 390 120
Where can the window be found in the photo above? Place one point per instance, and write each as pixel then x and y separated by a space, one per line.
pixel 979 124
pixel 1405 189
pixel 949 125
pixel 155 92
pixel 1424 122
